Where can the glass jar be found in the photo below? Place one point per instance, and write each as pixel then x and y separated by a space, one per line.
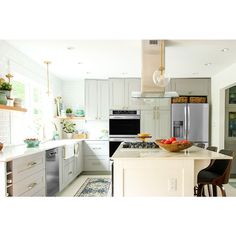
pixel 3 98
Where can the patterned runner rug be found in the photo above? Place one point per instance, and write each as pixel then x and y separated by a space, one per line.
pixel 95 187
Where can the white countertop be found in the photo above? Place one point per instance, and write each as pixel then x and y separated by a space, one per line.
pixel 10 153
pixel 190 153
pixel 13 152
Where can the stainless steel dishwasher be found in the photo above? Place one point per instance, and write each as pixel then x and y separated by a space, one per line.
pixel 52 171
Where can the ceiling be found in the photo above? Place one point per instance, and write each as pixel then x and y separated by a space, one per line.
pixel 79 59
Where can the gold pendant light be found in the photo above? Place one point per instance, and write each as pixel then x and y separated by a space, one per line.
pixel 159 78
pixel 48 82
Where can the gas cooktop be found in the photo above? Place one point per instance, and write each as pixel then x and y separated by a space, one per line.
pixel 140 145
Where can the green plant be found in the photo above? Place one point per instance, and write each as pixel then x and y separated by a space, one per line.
pixel 68 126
pixel 69 110
pixel 6 86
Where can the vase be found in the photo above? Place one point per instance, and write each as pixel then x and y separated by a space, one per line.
pixel 6 92
pixel 69 135
pixel 3 98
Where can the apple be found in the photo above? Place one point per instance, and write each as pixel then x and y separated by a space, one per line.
pixel 168 141
pixel 173 139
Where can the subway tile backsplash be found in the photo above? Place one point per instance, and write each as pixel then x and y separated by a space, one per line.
pixel 5 129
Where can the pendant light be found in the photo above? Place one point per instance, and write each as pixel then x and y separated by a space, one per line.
pixel 48 82
pixel 9 75
pixel 159 78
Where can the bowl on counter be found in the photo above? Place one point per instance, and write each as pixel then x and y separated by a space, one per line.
pixel 31 143
pixel 1 146
pixel 174 147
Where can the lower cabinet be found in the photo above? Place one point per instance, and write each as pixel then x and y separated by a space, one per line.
pixel 96 156
pixel 71 165
pixel 25 176
pixel 68 172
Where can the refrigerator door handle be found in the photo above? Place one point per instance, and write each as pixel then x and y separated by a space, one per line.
pixel 185 122
pixel 189 125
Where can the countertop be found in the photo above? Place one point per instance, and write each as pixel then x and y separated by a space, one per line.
pixel 12 152
pixel 193 153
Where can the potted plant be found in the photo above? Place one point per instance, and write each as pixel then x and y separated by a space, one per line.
pixel 69 112
pixel 6 88
pixel 68 127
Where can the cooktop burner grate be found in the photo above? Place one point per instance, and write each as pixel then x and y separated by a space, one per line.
pixel 140 145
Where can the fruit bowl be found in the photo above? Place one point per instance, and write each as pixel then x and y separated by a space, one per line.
pixel 31 142
pixel 174 147
pixel 1 146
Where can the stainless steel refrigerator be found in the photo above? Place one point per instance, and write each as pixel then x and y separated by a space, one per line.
pixel 191 121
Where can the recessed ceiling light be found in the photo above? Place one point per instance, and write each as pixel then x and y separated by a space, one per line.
pixel 225 50
pixel 88 72
pixel 70 48
pixel 79 63
pixel 124 73
pixel 208 64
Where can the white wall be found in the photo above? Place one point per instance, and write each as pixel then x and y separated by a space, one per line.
pixel 219 83
pixel 12 122
pixel 73 94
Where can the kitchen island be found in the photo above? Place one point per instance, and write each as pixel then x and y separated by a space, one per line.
pixel 156 172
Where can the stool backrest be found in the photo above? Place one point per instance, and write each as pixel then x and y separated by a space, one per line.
pixel 200 145
pixel 223 166
pixel 212 148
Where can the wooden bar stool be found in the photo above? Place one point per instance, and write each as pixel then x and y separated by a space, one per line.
pixel 216 174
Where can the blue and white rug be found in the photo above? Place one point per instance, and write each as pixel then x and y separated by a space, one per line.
pixel 95 187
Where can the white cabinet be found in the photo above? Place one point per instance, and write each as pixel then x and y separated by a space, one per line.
pixel 157 120
pixel 67 166
pixel 198 87
pixel 25 176
pixel 96 100
pixel 120 90
pixel 79 158
pixel 96 155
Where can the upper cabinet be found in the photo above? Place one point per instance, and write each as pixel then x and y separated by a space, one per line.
pixel 120 91
pixel 193 86
pixel 96 99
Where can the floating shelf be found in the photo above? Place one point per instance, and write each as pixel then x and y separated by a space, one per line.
pixel 11 108
pixel 71 118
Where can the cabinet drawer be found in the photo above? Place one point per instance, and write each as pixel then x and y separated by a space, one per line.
pixel 96 165
pixel 29 186
pixel 28 165
pixel 40 193
pixel 68 172
pixel 96 148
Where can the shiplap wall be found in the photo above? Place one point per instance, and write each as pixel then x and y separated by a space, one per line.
pixel 12 124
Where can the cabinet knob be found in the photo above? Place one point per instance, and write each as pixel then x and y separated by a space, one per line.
pixel 32 185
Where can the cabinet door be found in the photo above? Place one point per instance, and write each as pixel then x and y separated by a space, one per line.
pixel 148 122
pixel 103 100
pixel 91 102
pixel 192 86
pixel 116 93
pixel 79 158
pixel 163 124
pixel 132 85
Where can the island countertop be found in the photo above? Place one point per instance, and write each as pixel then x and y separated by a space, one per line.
pixel 193 153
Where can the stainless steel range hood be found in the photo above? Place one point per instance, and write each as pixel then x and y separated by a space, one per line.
pixel 150 63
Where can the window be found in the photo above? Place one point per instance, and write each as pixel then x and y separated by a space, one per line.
pixel 18 90
pixel 232 95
